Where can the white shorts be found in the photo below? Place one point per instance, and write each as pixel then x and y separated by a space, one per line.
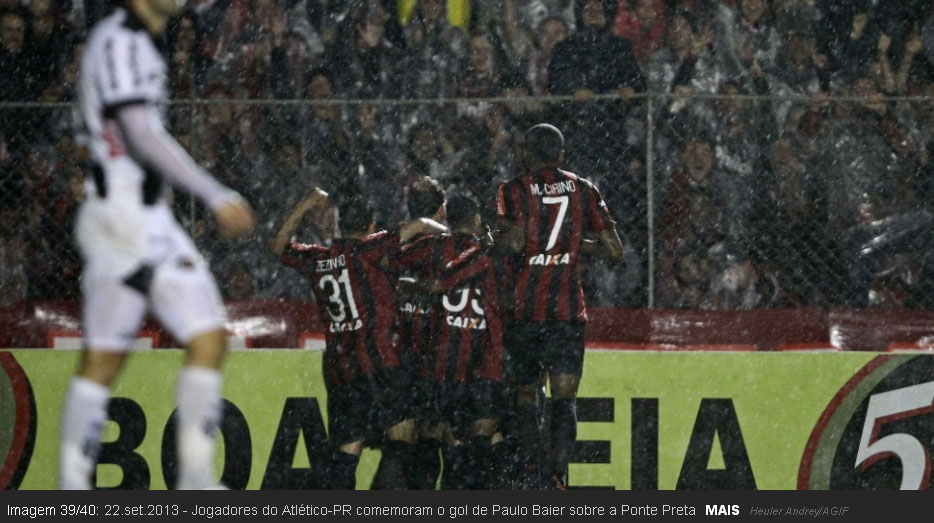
pixel 138 259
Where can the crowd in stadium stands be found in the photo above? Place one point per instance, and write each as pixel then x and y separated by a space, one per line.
pixel 755 202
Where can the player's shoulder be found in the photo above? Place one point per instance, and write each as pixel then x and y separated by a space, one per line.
pixel 580 180
pixel 378 236
pixel 568 175
pixel 468 250
pixel 424 240
pixel 377 240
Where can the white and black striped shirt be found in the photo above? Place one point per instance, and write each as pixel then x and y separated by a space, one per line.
pixel 123 98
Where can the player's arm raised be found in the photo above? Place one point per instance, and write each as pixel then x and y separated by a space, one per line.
pixel 317 202
pixel 153 147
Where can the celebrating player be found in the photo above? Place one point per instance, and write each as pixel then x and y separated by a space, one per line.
pixel 136 256
pixel 546 217
pixel 368 387
pixel 468 361
pixel 417 325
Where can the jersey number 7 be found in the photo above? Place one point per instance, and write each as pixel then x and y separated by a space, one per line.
pixel 562 210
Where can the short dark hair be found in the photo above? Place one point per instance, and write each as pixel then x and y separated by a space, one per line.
pixel 425 198
pixel 461 209
pixel 320 71
pixel 544 143
pixel 355 210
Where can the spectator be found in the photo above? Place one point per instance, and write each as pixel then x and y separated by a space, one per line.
pixel 376 161
pixel 310 21
pixel 239 283
pixel 852 41
pixel 14 259
pixel 181 59
pixel 50 37
pixel 625 194
pixel 691 197
pixel 747 41
pixel 427 150
pixel 895 79
pixel 228 141
pixel 324 134
pixel 741 169
pixel 64 256
pixel 795 16
pixel 684 64
pixel 690 227
pixel 457 11
pixel 684 281
pixel 643 24
pixel 219 25
pixel 594 61
pixel 551 31
pixel 436 50
pixel 531 13
pixel 799 247
pixel 368 61
pixel 18 83
pixel 797 75
pixel 863 152
pixel 702 263
pixel 483 77
pixel 262 64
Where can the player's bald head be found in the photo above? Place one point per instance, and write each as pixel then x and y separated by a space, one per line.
pixel 544 143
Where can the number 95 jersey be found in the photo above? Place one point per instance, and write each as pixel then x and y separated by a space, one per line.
pixel 357 301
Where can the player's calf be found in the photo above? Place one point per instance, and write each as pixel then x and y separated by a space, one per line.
pixel 83 418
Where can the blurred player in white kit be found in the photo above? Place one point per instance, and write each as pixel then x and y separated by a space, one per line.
pixel 136 256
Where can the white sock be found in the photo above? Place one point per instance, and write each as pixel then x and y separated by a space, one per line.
pixel 199 414
pixel 83 417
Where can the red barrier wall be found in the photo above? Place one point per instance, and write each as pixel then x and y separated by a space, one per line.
pixel 279 324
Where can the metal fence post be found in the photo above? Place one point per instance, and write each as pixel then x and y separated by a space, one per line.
pixel 650 200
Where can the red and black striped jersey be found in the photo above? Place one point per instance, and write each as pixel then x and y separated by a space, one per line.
pixel 556 210
pixel 469 327
pixel 416 321
pixel 357 301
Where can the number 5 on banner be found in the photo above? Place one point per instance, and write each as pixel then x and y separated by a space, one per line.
pixel 890 406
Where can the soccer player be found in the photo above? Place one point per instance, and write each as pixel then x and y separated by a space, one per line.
pixel 368 387
pixel 548 219
pixel 136 256
pixel 468 362
pixel 417 329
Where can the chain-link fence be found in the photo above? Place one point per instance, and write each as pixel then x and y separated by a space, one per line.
pixel 739 202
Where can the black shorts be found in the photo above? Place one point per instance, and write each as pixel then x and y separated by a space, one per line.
pixel 425 401
pixel 557 347
pixel 363 409
pixel 462 403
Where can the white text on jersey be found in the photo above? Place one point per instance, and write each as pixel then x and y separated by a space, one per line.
pixel 331 264
pixel 553 188
pixel 550 259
